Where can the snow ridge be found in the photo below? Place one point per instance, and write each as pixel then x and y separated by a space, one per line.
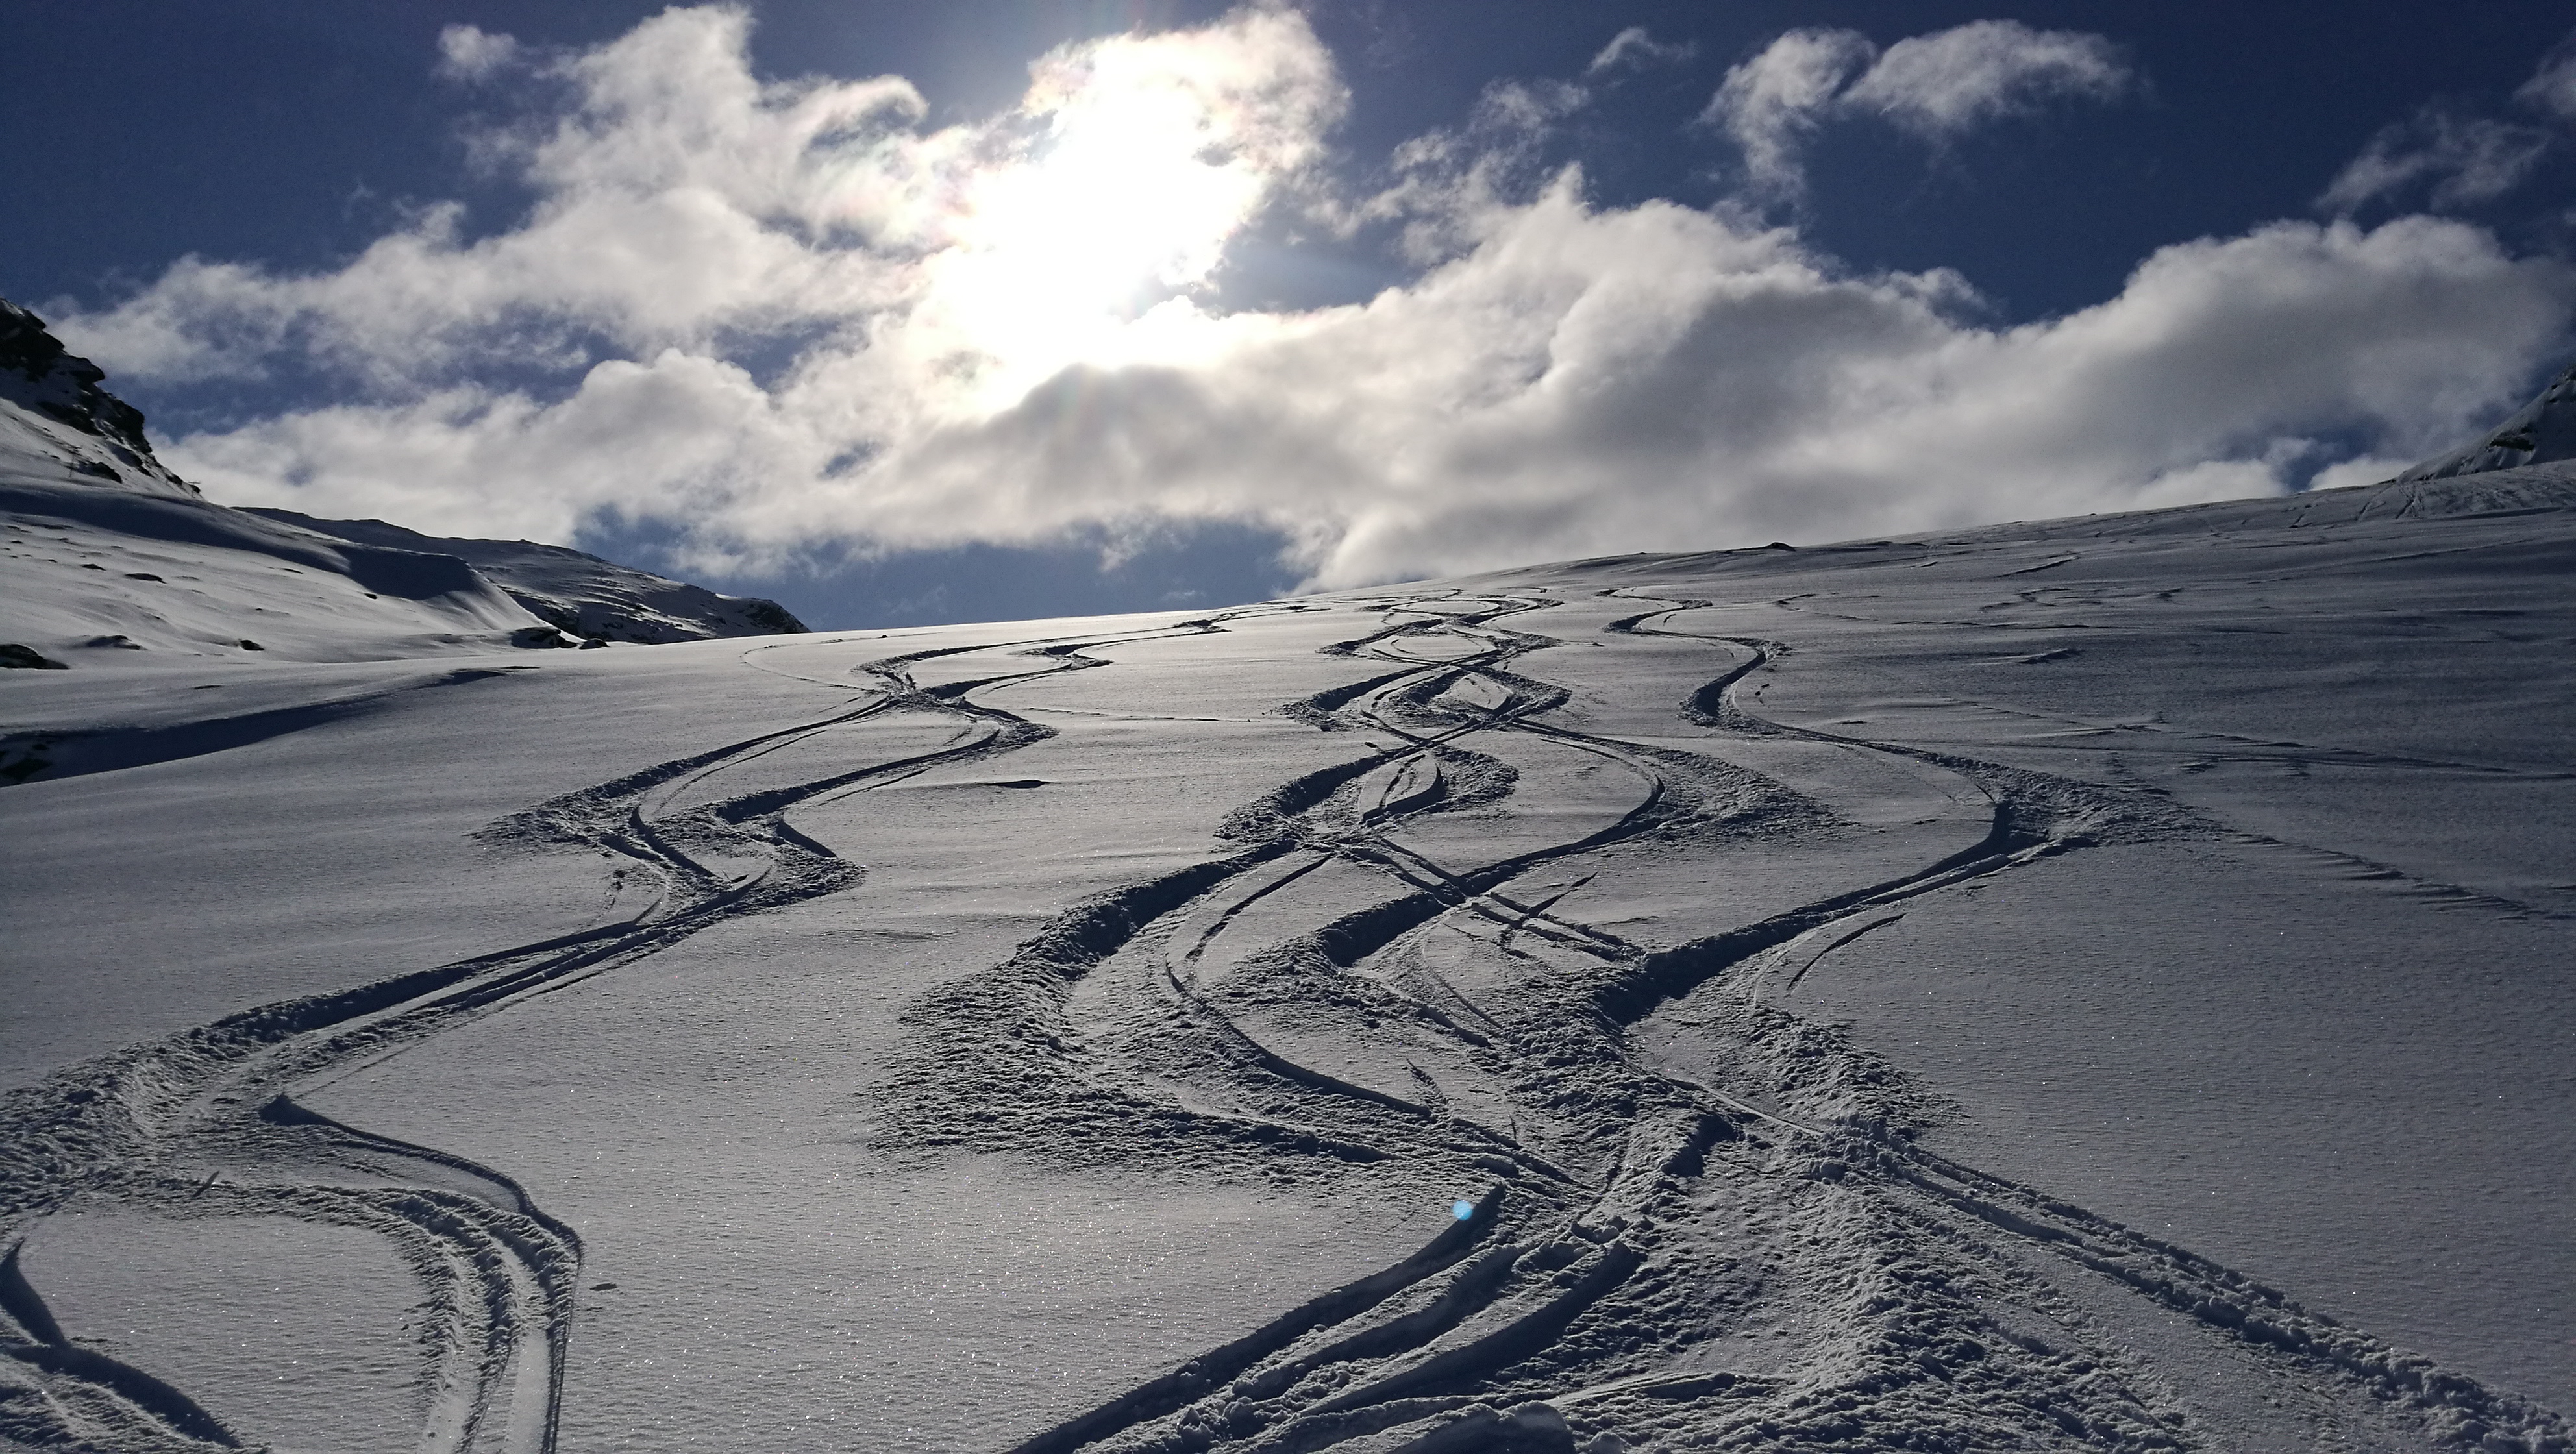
pixel 2540 432
pixel 594 599
pixel 107 443
pixel 112 559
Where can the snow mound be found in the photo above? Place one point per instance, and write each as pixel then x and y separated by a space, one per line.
pixel 2540 432
pixel 598 600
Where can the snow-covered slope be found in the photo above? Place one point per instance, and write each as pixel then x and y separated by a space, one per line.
pixel 109 559
pixel 2097 984
pixel 56 414
pixel 595 599
pixel 2540 432
pixel 100 575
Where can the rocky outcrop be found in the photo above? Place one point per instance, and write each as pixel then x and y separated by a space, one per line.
pixel 38 374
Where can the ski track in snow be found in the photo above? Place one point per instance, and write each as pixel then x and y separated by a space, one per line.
pixel 1461 1027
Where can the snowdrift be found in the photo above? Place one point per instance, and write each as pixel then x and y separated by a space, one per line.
pixel 2091 984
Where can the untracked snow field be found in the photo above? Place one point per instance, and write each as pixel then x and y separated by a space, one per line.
pixel 2100 984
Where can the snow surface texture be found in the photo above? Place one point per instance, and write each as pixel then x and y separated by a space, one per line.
pixel 2540 432
pixel 594 599
pixel 2100 984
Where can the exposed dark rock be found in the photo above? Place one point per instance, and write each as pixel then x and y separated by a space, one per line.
pixel 38 373
pixel 12 654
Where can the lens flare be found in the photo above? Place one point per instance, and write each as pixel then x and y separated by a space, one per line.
pixel 1462 1209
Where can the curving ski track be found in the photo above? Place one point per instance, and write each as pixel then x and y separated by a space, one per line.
pixel 1629 1218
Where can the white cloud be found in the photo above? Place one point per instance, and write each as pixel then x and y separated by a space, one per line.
pixel 1634 49
pixel 2467 160
pixel 1590 381
pixel 2460 159
pixel 1942 84
pixel 1002 333
pixel 467 53
pixel 1770 103
pixel 1525 107
pixel 1936 86
pixel 2553 88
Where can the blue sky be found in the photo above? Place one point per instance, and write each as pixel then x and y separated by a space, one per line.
pixel 836 303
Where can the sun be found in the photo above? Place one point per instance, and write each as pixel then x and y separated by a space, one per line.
pixel 1103 223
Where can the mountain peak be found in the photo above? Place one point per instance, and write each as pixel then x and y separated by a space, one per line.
pixel 41 376
pixel 2538 433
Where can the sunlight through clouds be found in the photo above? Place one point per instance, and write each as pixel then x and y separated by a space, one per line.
pixel 1151 154
pixel 786 321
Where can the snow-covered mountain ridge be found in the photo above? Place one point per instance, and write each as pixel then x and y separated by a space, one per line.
pixel 595 599
pixel 96 572
pixel 2540 432
pixel 51 391
pixel 107 557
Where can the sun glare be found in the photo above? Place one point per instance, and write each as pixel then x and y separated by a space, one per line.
pixel 1119 208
